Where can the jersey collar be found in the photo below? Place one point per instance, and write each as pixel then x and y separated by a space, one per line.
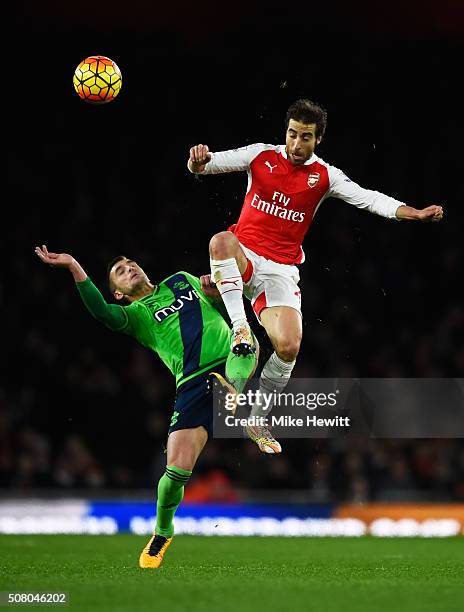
pixel 150 295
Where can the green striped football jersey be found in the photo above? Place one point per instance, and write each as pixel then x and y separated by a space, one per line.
pixel 182 325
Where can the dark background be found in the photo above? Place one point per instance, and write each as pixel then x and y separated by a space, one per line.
pixel 82 407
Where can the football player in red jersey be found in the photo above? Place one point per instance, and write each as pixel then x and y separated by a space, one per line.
pixel 258 255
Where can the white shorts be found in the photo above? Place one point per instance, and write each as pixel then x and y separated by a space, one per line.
pixel 267 283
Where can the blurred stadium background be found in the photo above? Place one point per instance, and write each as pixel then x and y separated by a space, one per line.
pixel 83 412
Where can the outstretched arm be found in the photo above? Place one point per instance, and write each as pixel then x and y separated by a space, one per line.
pixel 62 260
pixel 203 161
pixel 375 202
pixel 432 213
pixel 112 315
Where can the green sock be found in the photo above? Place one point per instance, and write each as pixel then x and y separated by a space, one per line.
pixel 170 494
pixel 239 369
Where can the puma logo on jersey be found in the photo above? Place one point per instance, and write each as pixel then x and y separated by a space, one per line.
pixel 228 282
pixel 271 168
pixel 163 313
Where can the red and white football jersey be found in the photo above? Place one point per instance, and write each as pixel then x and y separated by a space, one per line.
pixel 282 199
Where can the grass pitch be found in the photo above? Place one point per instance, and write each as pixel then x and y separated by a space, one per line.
pixel 240 574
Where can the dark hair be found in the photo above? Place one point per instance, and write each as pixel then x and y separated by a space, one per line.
pixel 305 111
pixel 109 267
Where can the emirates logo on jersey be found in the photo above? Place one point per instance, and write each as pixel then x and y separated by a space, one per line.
pixel 313 179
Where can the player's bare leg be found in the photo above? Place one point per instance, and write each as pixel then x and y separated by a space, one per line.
pixel 184 448
pixel 228 263
pixel 284 328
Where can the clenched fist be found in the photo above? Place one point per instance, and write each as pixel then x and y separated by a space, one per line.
pixel 199 157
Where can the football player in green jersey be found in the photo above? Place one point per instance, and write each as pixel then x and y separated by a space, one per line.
pixel 182 320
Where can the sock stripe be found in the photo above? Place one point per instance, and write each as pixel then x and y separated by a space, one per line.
pixel 178 472
pixel 229 290
pixel 176 475
pixel 179 480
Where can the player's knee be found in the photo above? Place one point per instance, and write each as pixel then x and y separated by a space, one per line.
pixel 182 461
pixel 287 349
pixel 223 245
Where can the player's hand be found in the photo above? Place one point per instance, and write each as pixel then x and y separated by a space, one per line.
pixel 208 287
pixel 431 213
pixel 56 260
pixel 199 157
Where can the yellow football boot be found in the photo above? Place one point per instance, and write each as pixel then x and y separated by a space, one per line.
pixel 264 439
pixel 153 553
pixel 227 389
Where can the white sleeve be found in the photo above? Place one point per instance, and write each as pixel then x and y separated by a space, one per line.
pixel 234 160
pixel 375 202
